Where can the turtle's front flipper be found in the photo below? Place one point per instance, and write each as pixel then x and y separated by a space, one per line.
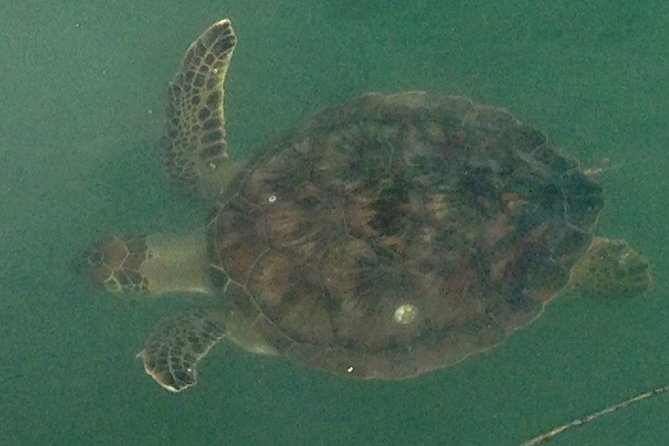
pixel 177 344
pixel 611 268
pixel 197 152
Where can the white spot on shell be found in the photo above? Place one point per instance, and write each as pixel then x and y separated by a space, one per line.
pixel 405 314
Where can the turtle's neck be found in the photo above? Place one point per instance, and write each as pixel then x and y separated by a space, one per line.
pixel 177 263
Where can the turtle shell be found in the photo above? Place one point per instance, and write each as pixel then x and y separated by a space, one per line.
pixel 399 233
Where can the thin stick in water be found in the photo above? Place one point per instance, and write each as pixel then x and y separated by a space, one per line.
pixel 588 418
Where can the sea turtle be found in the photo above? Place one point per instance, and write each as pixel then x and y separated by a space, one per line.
pixel 382 238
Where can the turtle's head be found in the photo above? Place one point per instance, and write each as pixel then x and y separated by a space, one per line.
pixel 152 264
pixel 116 263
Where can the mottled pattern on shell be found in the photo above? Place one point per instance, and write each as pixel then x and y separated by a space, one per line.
pixel 456 211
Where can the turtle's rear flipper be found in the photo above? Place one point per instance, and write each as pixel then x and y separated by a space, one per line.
pixel 177 344
pixel 197 152
pixel 611 268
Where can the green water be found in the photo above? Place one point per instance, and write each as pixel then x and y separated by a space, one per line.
pixel 82 89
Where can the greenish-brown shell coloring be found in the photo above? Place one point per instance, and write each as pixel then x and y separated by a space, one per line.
pixel 399 233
